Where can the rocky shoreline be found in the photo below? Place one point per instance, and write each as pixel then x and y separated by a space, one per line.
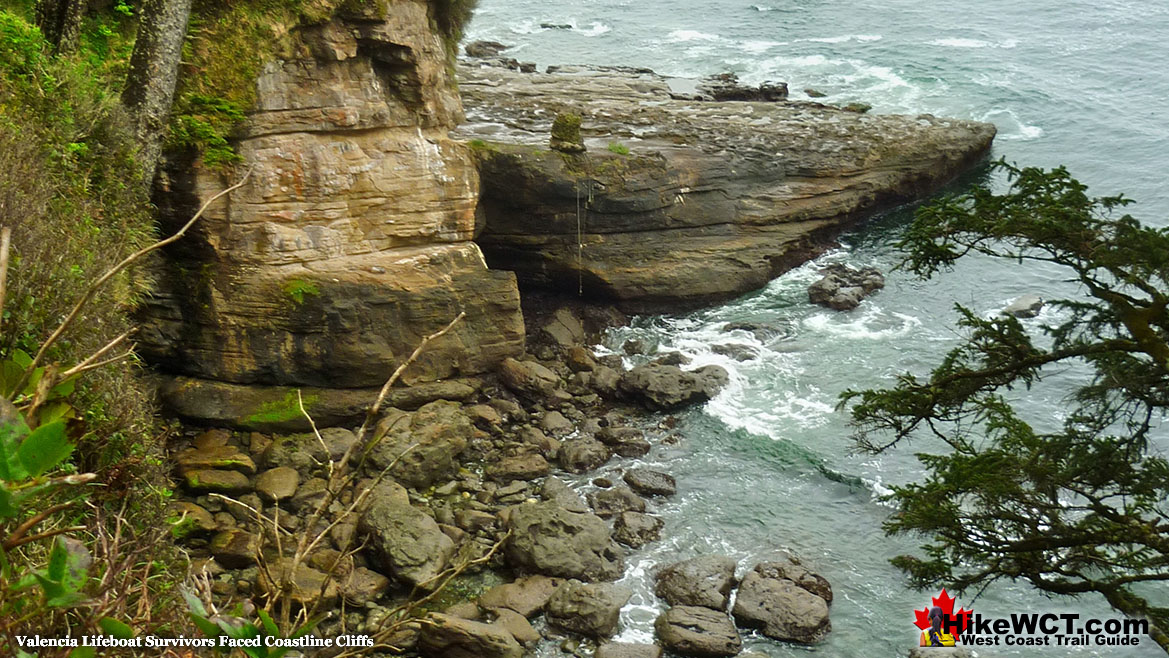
pixel 485 476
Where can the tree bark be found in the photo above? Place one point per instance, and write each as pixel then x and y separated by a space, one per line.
pixel 60 23
pixel 154 71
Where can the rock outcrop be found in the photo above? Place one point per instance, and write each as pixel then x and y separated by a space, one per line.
pixel 352 238
pixel 696 201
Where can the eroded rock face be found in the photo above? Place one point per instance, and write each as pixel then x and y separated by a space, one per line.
pixel 351 240
pixel 781 609
pixel 714 198
pixel 704 581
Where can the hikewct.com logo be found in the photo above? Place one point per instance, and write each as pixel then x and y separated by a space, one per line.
pixel 942 627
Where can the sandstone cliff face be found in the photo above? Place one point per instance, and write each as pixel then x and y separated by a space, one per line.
pixel 713 198
pixel 352 238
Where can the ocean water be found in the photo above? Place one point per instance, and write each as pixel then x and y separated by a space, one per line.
pixel 767 467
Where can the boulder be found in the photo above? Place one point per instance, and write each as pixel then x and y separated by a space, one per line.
pixel 781 609
pixel 842 287
pixel 792 570
pixel 517 625
pixel 580 359
pixel 1027 306
pixel 307 587
pixel 235 548
pixel 529 379
pixel 669 387
pixel 553 541
pixel 726 87
pixel 605 380
pixel 587 609
pixel 582 455
pixel 626 650
pixel 484 49
pixel 408 543
pixel 650 483
pixel 611 502
pixel 215 481
pixel 426 443
pixel 635 529
pixel 527 595
pixel 555 424
pixel 625 441
pixel 554 490
pixel 278 483
pixel 697 631
pixel 446 636
pixel 702 581
pixel 276 409
pixel 362 586
pixel 223 457
pixel 526 466
pixel 564 329
pixel 736 351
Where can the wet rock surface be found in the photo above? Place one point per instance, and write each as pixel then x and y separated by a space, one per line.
pixel 697 631
pixel 843 288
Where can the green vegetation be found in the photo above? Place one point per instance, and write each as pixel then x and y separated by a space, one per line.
pixel 297 289
pixel 566 128
pixel 618 148
pixel 1073 507
pixel 281 411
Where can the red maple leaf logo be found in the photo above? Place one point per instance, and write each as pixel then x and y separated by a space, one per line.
pixel 946 603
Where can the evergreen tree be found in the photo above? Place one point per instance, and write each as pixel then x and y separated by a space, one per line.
pixel 1080 508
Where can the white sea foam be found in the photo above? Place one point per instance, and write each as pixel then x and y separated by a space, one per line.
pixel 1011 127
pixel 872 323
pixel 759 47
pixel 860 38
pixel 762 8
pixel 691 35
pixel 973 43
pixel 594 29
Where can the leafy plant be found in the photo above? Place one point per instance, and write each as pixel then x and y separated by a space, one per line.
pixel 214 625
pixel 618 148
pixel 298 289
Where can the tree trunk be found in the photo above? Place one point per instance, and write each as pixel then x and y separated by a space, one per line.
pixel 154 71
pixel 60 23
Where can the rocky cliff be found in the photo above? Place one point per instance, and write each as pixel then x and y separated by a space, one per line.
pixel 352 238
pixel 680 202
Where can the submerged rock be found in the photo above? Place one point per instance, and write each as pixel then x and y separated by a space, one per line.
pixel 843 287
pixel 1027 306
pixel 626 650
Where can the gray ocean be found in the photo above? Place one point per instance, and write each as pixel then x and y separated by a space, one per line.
pixel 766 467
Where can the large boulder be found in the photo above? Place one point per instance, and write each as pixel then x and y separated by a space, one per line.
pixel 406 540
pixel 669 387
pixel 792 570
pixel 425 443
pixel 781 609
pixel 527 595
pixel 648 482
pixel 697 631
pixel 703 581
pixel 529 379
pixel 635 529
pixel 550 540
pixel 582 455
pixel 447 636
pixel 611 502
pixel 591 609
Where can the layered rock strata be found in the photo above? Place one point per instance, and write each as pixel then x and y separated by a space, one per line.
pixel 683 202
pixel 351 239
